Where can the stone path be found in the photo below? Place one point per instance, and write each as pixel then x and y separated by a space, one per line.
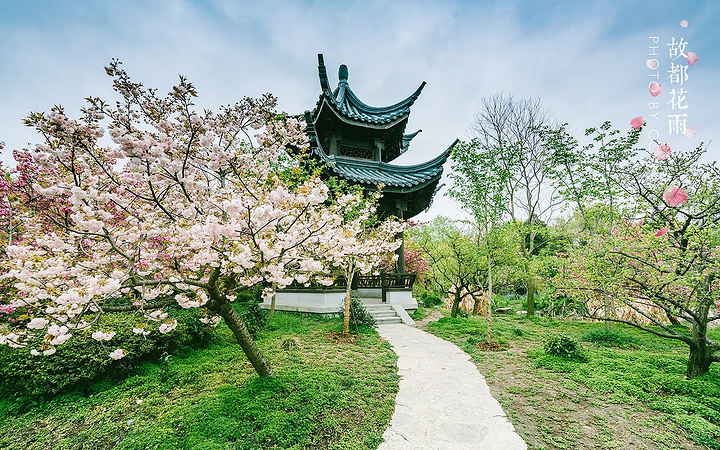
pixel 443 401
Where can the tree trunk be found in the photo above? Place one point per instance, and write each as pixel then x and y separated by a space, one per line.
pixel 530 298
pixel 346 312
pixel 456 303
pixel 477 304
pixel 242 335
pixel 272 301
pixel 606 309
pixel 700 355
pixel 489 302
pixel 699 361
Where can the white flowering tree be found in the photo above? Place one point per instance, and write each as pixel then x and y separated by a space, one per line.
pixel 360 245
pixel 170 206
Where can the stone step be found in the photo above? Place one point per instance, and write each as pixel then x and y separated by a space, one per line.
pixel 377 305
pixel 387 320
pixel 379 308
pixel 384 314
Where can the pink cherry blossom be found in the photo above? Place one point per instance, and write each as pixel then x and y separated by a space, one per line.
pixel 692 58
pixel 689 132
pixel 655 88
pixel 684 23
pixel 637 122
pixel 675 196
pixel 662 232
pixel 118 353
pixel 662 152
pixel 162 208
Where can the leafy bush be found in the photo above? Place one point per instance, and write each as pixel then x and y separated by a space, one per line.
pixel 610 337
pixel 254 317
pixel 418 314
pixel 82 359
pixel 430 300
pixel 566 347
pixel 358 314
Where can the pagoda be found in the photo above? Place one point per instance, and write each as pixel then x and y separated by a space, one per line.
pixel 357 143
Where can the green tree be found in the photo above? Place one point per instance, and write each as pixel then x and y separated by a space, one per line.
pixel 661 262
pixel 456 259
pixel 506 132
pixel 480 185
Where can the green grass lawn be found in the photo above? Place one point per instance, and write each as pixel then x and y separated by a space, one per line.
pixel 325 395
pixel 630 393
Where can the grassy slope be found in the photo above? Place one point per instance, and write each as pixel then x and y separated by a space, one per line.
pixel 325 395
pixel 630 395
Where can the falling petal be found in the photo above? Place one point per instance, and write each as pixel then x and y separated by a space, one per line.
pixel 637 122
pixel 652 63
pixel 684 23
pixel 692 58
pixel 675 196
pixel 655 88
pixel 662 232
pixel 662 152
pixel 689 132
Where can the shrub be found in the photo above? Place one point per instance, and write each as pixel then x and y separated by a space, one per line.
pixel 82 359
pixel 254 317
pixel 430 300
pixel 358 314
pixel 566 347
pixel 610 337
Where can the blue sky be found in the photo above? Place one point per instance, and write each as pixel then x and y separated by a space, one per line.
pixel 586 60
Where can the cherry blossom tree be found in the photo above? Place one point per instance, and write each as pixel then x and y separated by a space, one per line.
pixel 361 246
pixel 168 206
pixel 659 265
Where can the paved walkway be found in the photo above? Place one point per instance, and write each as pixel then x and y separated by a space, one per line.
pixel 443 402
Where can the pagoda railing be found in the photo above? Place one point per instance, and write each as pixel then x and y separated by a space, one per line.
pixel 385 282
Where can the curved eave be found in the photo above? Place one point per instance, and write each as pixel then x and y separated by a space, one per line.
pixel 401 179
pixel 345 95
pixel 355 119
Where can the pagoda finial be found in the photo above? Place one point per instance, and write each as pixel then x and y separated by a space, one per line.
pixel 343 74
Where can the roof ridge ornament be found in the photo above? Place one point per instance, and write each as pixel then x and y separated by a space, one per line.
pixel 322 74
pixel 342 74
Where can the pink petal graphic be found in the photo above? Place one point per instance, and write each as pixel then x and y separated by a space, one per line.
pixel 652 63
pixel 655 88
pixel 684 23
pixel 662 232
pixel 692 58
pixel 675 196
pixel 689 132
pixel 637 122
pixel 662 152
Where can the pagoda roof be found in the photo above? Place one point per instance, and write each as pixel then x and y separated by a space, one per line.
pixel 347 105
pixel 393 177
pixel 373 173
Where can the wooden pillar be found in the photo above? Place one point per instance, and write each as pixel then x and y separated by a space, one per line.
pixel 401 255
pixel 400 267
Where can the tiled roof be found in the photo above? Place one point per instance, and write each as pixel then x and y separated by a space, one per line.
pixel 346 103
pixel 373 173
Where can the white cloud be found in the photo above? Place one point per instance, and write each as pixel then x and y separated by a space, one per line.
pixel 584 60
